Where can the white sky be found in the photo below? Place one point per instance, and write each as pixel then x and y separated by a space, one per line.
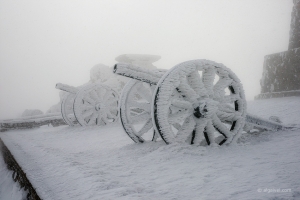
pixel 46 42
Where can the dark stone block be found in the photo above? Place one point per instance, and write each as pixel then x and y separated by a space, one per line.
pixel 295 26
pixel 269 95
pixel 281 72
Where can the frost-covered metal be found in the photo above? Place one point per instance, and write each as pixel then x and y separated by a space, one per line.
pixel 139 73
pixel 200 102
pixel 67 110
pixel 135 110
pixel 205 98
pixel 135 100
pixel 92 104
pixel 96 104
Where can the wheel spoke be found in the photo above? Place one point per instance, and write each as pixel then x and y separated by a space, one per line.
pixel 108 96
pixel 219 87
pixel 226 108
pixel 147 126
pixel 178 117
pixel 88 100
pixel 196 83
pixel 140 117
pixel 186 90
pixel 155 136
pixel 220 127
pixel 92 119
pixel 87 113
pixel 108 99
pixel 104 118
pixel 208 78
pixel 110 115
pixel 181 104
pixel 99 120
pixel 94 95
pixel 230 98
pixel 210 132
pixel 101 93
pixel 114 101
pixel 142 105
pixel 186 129
pixel 113 109
pixel 144 93
pixel 199 131
pixel 87 105
pixel 228 116
pixel 176 125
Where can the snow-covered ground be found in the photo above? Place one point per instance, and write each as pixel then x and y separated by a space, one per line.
pixel 103 163
pixel 9 190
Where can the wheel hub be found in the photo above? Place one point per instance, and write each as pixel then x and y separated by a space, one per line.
pixel 99 106
pixel 205 108
pixel 197 113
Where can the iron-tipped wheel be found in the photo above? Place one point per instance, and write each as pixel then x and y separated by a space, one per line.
pixel 135 111
pixel 96 104
pixel 67 110
pixel 200 102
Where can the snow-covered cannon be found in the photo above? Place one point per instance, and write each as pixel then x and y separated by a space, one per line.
pixel 200 102
pixel 96 102
pixel 92 104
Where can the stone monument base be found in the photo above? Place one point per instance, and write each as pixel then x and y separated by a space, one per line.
pixel 269 95
pixel 281 75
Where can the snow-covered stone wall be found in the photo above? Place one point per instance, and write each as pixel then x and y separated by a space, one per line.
pixel 281 72
pixel 295 26
pixel 31 112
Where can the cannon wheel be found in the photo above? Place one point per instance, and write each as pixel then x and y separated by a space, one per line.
pixel 199 102
pixel 135 111
pixel 67 109
pixel 96 104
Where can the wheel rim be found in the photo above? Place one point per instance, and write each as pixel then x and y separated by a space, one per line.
pixel 67 110
pixel 135 111
pixel 200 102
pixel 96 104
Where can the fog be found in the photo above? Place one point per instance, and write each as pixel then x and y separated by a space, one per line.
pixel 46 42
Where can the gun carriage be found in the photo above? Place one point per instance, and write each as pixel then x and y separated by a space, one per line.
pixel 200 102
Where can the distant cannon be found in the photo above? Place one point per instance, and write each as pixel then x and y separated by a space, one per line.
pixel 96 103
pixel 93 104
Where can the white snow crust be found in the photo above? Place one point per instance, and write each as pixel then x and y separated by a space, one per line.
pixel 9 190
pixel 104 163
pixel 31 112
pixel 103 74
pixel 143 60
pixel 147 75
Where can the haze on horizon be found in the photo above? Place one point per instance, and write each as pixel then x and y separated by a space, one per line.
pixel 46 42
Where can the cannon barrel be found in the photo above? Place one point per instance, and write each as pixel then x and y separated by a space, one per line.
pixel 67 88
pixel 151 76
